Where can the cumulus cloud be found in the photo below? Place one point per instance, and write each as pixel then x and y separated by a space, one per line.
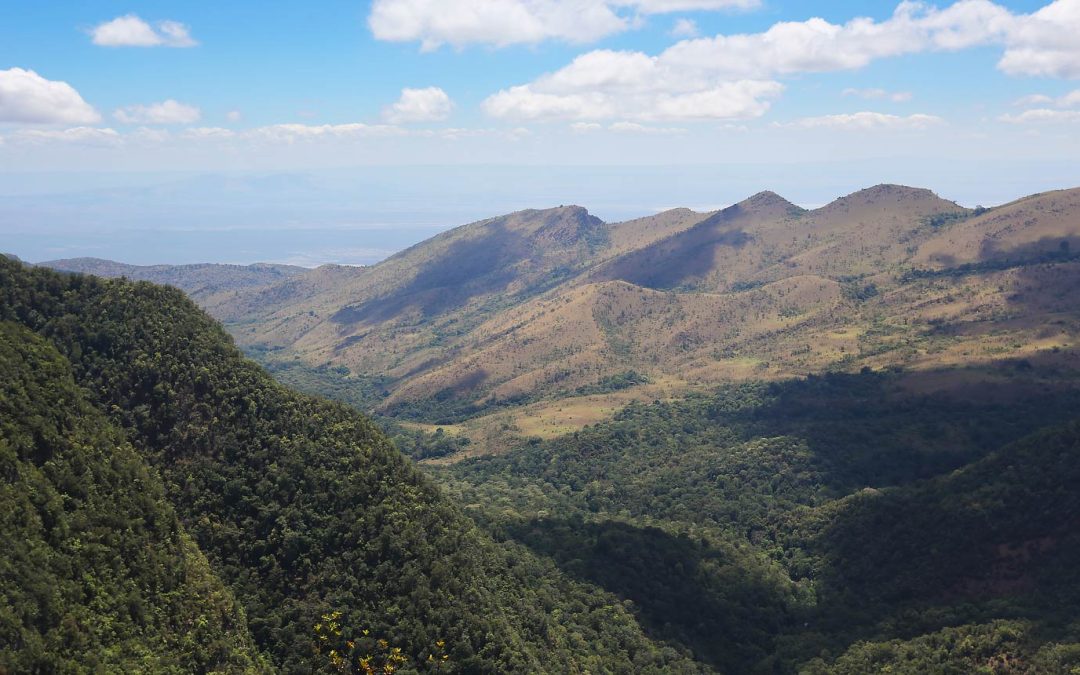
pixel 131 31
pixel 730 77
pixel 430 104
pixel 28 98
pixel 166 112
pixel 879 94
pixel 499 23
pixel 633 86
pixel 234 116
pixel 866 121
pixel 1044 43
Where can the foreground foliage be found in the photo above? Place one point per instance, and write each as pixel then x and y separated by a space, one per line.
pixel 97 574
pixel 303 507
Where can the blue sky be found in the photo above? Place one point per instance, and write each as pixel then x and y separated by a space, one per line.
pixel 156 93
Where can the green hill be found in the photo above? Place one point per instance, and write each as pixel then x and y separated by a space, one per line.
pixel 301 506
pixel 97 573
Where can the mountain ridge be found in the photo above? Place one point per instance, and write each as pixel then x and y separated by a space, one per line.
pixel 520 307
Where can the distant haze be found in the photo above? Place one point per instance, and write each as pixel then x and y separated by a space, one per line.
pixel 362 215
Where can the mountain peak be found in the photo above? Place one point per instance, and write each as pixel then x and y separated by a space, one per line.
pixel 887 193
pixel 767 202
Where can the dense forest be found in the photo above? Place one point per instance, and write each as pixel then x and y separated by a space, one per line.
pixel 830 524
pixel 171 507
pixel 97 572
pixel 300 505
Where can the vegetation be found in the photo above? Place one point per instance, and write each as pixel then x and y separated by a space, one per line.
pixel 303 507
pixel 616 382
pixel 767 524
pixel 876 518
pixel 97 573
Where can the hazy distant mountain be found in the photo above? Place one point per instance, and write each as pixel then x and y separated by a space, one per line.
pixel 208 284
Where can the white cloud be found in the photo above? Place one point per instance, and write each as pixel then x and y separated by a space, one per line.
pixel 28 98
pixel 430 104
pixel 131 31
pixel 1033 99
pixel 635 128
pixel 1044 43
pixel 607 84
pixel 730 77
pixel 866 121
pixel 585 127
pixel 150 135
pixel 289 133
pixel 166 112
pixel 202 133
pixel 684 28
pixel 1070 100
pixel 625 128
pixel 434 23
pixel 879 94
pixel 234 116
pixel 271 134
pixel 78 135
pixel 665 6
pixel 1042 116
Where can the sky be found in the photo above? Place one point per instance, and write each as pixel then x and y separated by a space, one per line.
pixel 341 131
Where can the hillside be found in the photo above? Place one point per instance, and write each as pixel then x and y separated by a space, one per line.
pixel 208 284
pixel 523 322
pixel 876 529
pixel 97 572
pixel 302 508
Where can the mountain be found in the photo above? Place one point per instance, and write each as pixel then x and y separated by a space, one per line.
pixel 764 439
pixel 208 284
pixel 137 440
pixel 528 324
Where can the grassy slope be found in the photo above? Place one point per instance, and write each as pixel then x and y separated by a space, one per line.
pixel 528 309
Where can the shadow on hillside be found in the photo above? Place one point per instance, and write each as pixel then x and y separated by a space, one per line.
pixel 683 589
pixel 469 267
pixel 999 539
pixel 877 429
pixel 679 258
